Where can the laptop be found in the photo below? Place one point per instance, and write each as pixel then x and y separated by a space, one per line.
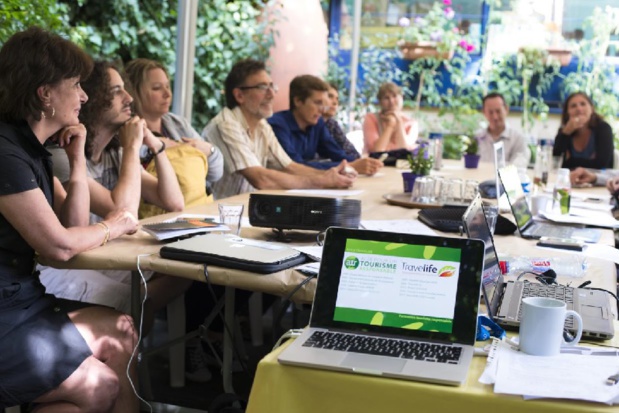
pixel 503 299
pixel 530 228
pixel 393 305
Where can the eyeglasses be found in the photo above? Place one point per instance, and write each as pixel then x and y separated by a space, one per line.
pixel 263 87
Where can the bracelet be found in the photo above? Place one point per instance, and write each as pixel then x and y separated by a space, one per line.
pixel 159 151
pixel 107 232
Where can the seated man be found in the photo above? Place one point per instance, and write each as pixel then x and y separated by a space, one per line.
pixel 517 151
pixel 303 134
pixel 253 158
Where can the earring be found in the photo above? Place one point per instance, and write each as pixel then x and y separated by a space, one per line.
pixel 53 112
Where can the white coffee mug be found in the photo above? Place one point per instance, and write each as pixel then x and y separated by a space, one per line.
pixel 541 326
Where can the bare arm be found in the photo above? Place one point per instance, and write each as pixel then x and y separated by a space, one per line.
pixel 126 194
pixel 31 215
pixel 164 190
pixel 297 176
pixel 73 205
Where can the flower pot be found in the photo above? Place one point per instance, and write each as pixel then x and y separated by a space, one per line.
pixel 408 179
pixel 419 50
pixel 471 161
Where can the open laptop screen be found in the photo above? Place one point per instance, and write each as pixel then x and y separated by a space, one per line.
pixel 389 283
pixel 398 285
pixel 515 195
pixel 476 227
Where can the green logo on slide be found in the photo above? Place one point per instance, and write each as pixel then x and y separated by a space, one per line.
pixel 351 263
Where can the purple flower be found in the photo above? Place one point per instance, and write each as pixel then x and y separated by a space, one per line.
pixel 436 36
pixel 404 22
pixel 466 46
pixel 447 2
pixel 449 13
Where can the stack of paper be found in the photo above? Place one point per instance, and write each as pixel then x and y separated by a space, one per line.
pixel 566 376
pixel 183 225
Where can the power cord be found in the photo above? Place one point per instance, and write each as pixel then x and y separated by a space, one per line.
pixel 292 333
pixel 223 320
pixel 137 344
pixel 286 300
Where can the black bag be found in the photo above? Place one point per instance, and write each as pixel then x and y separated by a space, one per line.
pixel 392 156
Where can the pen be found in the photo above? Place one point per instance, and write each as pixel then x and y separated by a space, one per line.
pixel 612 380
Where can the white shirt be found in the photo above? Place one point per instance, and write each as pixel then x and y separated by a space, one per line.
pixel 516 147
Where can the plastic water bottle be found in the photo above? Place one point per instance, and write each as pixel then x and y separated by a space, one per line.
pixel 542 164
pixel 526 183
pixel 436 149
pixel 562 192
pixel 572 265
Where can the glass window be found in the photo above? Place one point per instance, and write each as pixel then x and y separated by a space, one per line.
pixel 380 20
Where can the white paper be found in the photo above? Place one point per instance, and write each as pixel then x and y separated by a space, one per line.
pixel 566 376
pixel 327 192
pixel 594 206
pixel 403 226
pixel 605 252
pixel 310 267
pixel 313 251
pixel 583 217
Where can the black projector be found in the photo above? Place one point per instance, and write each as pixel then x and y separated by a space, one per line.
pixel 303 212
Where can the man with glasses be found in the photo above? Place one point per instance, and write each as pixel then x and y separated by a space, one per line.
pixel 253 158
pixel 303 134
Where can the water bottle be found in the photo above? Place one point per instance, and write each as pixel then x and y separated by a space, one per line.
pixel 561 194
pixel 572 265
pixel 436 142
pixel 542 164
pixel 526 183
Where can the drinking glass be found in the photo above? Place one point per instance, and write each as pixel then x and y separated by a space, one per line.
pixel 230 215
pixel 471 188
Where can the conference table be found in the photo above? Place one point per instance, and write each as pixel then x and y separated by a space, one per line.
pixel 140 251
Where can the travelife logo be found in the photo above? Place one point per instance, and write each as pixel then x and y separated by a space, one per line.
pixel 372 265
pixel 425 268
pixel 447 271
pixel 351 263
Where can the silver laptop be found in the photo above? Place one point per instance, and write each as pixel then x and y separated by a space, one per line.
pixel 499 162
pixel 393 305
pixel 503 299
pixel 527 226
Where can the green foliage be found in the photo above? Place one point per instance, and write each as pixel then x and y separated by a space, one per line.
pixel 18 15
pixel 420 161
pixel 227 31
pixel 470 146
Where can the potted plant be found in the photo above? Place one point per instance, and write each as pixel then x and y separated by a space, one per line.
pixel 470 148
pixel 433 36
pixel 420 162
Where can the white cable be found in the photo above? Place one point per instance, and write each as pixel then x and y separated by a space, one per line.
pixel 137 344
pixel 293 333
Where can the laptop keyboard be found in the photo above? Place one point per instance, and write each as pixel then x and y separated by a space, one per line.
pixel 379 346
pixel 560 292
pixel 552 231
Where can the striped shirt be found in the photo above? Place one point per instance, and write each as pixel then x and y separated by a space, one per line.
pixel 230 133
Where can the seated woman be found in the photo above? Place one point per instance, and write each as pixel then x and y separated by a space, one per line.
pixel 389 129
pixel 584 139
pixel 152 99
pixel 117 180
pixel 61 355
pixel 334 127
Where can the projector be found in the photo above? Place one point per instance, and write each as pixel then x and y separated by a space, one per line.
pixel 303 212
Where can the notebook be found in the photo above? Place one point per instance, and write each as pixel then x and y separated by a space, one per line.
pixel 503 299
pixel 528 227
pixel 393 305
pixel 231 251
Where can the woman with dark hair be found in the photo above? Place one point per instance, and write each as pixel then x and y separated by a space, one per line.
pixel 59 354
pixel 584 139
pixel 334 127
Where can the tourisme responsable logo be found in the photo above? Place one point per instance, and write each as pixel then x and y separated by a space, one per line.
pixel 351 263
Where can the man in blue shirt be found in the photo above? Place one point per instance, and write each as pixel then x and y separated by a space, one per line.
pixel 302 132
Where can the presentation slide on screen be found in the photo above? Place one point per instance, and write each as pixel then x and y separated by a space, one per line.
pixel 398 285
